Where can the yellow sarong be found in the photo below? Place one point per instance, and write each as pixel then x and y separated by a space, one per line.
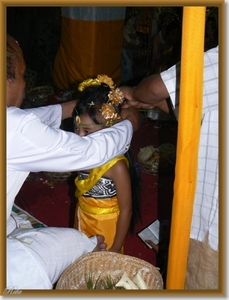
pixel 97 216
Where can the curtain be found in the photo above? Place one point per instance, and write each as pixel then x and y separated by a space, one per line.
pixel 91 44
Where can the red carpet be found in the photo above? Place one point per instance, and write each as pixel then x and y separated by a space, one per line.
pixel 157 191
pixel 53 203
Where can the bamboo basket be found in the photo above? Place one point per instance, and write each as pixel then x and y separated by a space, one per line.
pixel 104 263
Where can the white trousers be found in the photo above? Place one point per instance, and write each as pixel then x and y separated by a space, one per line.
pixel 37 257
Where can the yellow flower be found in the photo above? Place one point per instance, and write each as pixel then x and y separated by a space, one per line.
pixel 88 82
pixel 109 114
pixel 116 96
pixel 105 79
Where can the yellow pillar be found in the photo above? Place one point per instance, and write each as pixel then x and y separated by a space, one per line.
pixel 190 114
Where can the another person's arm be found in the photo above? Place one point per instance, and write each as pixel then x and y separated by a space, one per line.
pixel 149 93
pixel 132 115
pixel 153 90
pixel 44 148
pixel 67 109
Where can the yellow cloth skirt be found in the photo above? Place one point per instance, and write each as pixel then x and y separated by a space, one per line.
pixel 96 216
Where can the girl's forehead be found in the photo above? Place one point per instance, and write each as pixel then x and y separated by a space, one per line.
pixel 84 116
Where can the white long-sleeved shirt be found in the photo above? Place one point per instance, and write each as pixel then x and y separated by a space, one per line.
pixel 205 212
pixel 35 143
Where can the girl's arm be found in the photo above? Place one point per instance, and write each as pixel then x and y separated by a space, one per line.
pixel 120 175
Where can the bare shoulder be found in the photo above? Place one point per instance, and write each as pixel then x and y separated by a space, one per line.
pixel 117 170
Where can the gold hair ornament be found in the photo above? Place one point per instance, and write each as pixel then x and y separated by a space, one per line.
pixel 97 81
pixel 115 96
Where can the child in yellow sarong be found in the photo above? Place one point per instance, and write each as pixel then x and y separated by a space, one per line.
pixel 108 196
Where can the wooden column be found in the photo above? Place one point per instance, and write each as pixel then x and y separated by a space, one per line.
pixel 189 123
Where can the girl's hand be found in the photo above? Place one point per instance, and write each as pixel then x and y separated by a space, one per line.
pixel 154 246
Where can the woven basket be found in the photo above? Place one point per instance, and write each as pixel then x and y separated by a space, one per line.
pixel 38 96
pixel 164 162
pixel 58 177
pixel 103 264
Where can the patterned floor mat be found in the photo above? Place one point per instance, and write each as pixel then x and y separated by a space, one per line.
pixel 35 223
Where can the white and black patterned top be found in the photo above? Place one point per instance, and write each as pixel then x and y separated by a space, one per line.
pixel 205 213
pixel 104 188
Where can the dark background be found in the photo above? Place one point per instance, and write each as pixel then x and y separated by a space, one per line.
pixel 37 29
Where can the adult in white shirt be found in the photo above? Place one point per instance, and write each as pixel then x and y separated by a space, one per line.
pixel 37 257
pixel 151 92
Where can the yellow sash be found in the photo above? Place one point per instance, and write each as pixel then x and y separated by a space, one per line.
pixel 95 174
pixel 96 210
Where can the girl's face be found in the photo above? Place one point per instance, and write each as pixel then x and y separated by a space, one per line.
pixel 86 126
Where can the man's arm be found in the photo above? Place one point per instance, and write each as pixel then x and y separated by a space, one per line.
pixel 67 109
pixel 132 115
pixel 45 148
pixel 148 94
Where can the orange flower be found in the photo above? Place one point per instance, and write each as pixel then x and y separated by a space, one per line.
pixel 107 80
pixel 109 113
pixel 116 96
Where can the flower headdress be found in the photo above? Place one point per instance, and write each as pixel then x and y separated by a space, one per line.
pixel 115 98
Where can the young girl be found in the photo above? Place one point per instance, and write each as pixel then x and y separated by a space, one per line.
pixel 108 196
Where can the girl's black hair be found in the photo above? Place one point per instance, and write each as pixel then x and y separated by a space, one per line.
pixel 98 95
pixel 135 178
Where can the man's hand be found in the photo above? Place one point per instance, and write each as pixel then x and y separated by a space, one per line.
pixel 130 101
pixel 132 115
pixel 136 104
pixel 67 109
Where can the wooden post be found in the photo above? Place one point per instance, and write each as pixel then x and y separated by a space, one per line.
pixel 189 123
